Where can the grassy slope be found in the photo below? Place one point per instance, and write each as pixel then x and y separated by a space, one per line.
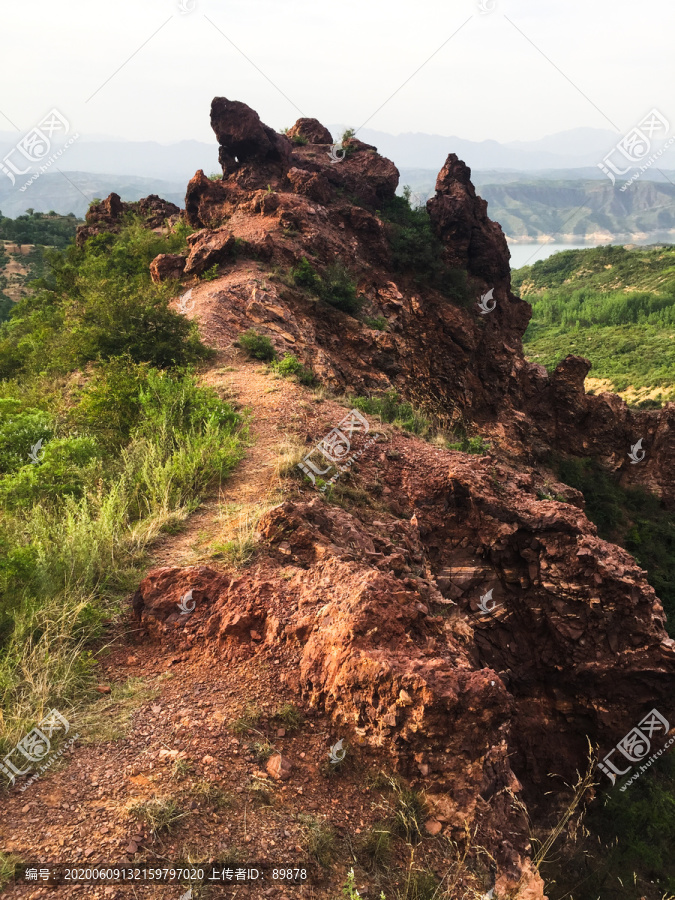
pixel 614 306
pixel 97 387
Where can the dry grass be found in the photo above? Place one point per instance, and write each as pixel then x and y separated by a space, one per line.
pixel 109 719
pixel 238 538
pixel 291 452
pixel 160 814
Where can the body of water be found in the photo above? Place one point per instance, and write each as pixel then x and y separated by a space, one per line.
pixel 528 254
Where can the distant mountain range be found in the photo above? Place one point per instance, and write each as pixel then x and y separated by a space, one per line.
pixel 574 149
pixel 547 188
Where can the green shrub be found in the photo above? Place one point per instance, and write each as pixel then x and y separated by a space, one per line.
pixel 210 274
pixel 66 467
pixel 97 303
pixel 475 445
pixel 290 365
pixel 300 139
pixel 335 287
pixel 257 345
pixel 379 323
pixel 20 430
pixel 416 249
pixel 338 289
pixel 305 276
pixel 390 408
pixel 109 404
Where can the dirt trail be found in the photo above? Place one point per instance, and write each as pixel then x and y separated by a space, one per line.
pixel 166 729
pixel 275 405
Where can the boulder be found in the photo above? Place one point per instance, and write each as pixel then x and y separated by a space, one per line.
pixel 167 267
pixel 312 130
pixel 245 141
pixel 208 248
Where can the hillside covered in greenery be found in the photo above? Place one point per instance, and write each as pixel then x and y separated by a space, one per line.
pixel 48 229
pixel 612 305
pixel 39 230
pixel 106 438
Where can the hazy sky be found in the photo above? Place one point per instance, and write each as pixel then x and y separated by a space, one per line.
pixel 523 70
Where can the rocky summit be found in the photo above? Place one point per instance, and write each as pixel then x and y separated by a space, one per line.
pixel 452 615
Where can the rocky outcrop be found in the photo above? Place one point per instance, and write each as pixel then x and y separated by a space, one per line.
pixel 107 215
pixel 384 621
pixel 472 241
pixel 383 613
pixel 208 248
pixel 248 148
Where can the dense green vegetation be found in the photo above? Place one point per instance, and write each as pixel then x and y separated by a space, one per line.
pixel 612 305
pixel 632 518
pixel 106 438
pixel 416 250
pixel 392 409
pixel 5 302
pixel 48 229
pixel 335 287
pixel 625 851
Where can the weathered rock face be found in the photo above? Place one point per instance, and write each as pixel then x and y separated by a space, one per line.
pixel 382 616
pixel 459 216
pixel 208 248
pixel 207 202
pixel 286 201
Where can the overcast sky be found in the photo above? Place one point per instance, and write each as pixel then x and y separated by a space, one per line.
pixel 145 70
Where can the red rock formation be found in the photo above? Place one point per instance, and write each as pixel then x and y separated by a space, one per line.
pixel 381 611
pixel 248 149
pixel 107 215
